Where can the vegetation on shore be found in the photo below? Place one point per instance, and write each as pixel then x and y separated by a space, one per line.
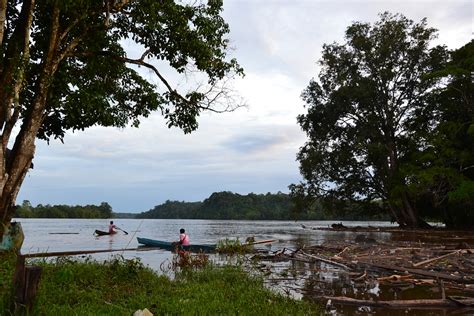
pixel 219 205
pixel 120 287
pixel 26 210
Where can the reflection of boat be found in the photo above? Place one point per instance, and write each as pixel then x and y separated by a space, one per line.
pixel 173 246
pixel 102 233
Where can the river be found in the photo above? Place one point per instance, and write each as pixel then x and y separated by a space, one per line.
pixel 52 235
pixel 56 235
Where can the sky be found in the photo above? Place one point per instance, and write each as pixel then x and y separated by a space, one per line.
pixel 253 149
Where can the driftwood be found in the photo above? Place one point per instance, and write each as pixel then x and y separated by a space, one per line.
pixel 437 258
pixel 260 242
pixel 406 261
pixel 422 303
pixel 326 261
pixel 395 277
pixel 64 233
pixel 419 272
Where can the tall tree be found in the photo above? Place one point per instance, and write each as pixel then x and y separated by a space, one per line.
pixel 444 169
pixel 63 66
pixel 363 113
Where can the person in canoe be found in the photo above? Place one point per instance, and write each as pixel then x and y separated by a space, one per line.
pixel 112 228
pixel 183 238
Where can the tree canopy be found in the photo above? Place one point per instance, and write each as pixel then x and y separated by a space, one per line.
pixel 370 117
pixel 71 64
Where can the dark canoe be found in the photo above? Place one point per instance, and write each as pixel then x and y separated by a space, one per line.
pixel 102 233
pixel 172 246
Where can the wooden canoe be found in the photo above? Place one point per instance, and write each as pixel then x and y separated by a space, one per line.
pixel 102 233
pixel 166 245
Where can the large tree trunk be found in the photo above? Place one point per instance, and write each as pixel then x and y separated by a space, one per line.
pixel 16 163
pixel 406 215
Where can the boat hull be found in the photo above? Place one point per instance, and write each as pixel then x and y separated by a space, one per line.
pixel 102 233
pixel 166 245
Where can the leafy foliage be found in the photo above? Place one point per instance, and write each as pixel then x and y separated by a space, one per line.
pixel 104 210
pixel 443 171
pixel 390 121
pixel 365 112
pixel 69 65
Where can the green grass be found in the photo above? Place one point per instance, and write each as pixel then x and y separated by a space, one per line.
pixel 7 269
pixel 120 287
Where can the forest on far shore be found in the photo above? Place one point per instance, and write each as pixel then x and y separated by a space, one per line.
pixel 219 205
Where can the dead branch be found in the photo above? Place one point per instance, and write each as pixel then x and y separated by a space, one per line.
pixel 423 303
pixel 437 258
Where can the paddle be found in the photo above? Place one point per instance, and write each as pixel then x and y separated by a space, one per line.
pixel 121 230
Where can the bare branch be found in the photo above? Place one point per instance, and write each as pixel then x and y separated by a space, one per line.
pixel 211 96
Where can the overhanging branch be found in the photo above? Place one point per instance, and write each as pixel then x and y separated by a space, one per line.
pixel 209 100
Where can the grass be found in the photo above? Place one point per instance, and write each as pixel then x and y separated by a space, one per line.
pixel 120 287
pixel 7 269
pixel 232 246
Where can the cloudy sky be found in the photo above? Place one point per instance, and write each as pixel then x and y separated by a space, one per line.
pixel 250 150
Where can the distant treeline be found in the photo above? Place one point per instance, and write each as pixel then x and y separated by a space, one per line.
pixel 26 210
pixel 228 205
pixel 220 205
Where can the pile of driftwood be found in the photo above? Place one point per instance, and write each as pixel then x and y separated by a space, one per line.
pixel 443 269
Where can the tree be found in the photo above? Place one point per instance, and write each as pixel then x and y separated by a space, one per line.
pixel 364 111
pixel 444 170
pixel 63 66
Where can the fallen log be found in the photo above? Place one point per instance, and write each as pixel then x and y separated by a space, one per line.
pixel 421 303
pixel 432 274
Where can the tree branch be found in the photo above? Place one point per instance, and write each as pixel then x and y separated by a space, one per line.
pixel 204 106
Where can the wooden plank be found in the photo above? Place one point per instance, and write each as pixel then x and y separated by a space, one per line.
pixel 78 252
pixel 19 280
pixel 32 278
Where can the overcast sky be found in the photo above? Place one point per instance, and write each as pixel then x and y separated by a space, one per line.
pixel 251 150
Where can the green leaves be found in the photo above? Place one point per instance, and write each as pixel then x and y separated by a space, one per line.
pixel 365 108
pixel 97 83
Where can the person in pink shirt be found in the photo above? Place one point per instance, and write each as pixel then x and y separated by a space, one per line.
pixel 112 228
pixel 183 238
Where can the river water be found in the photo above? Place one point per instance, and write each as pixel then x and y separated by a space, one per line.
pixel 53 235
pixel 57 235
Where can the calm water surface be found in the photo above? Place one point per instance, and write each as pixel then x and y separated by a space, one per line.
pixel 47 235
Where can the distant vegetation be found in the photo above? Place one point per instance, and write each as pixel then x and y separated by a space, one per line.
pixel 220 205
pixel 26 210
pixel 228 205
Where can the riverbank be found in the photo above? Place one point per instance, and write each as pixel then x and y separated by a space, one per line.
pixel 121 287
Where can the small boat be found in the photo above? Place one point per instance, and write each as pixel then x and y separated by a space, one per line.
pixel 102 233
pixel 172 246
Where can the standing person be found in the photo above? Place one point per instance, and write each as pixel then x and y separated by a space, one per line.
pixel 112 228
pixel 183 238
